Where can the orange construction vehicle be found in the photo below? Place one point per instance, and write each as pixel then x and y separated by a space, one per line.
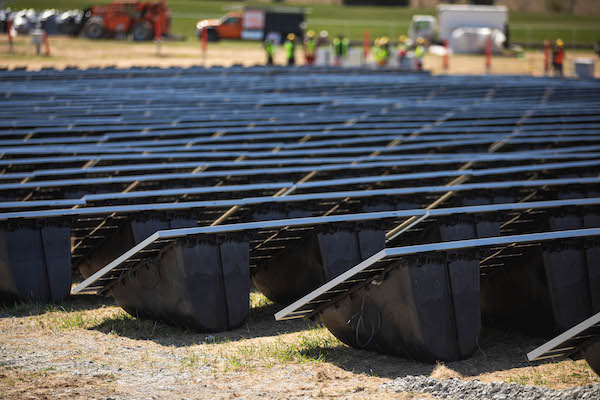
pixel 140 20
pixel 253 24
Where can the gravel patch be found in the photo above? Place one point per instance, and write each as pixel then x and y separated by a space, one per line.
pixel 473 389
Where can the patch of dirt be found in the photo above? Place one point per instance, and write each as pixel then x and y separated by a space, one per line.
pixel 88 347
pixel 84 53
pixel 19 384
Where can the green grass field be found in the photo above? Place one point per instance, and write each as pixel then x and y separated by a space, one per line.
pixel 353 21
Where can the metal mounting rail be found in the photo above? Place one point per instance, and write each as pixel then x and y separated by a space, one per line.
pixel 555 153
pixel 104 275
pixel 287 170
pixel 365 135
pixel 42 203
pixel 331 183
pixel 569 341
pixel 13 150
pixel 294 198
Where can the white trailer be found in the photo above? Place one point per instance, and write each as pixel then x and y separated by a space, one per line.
pixel 469 18
pixel 422 26
pixel 453 16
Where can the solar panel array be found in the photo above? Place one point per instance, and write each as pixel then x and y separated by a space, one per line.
pixel 293 177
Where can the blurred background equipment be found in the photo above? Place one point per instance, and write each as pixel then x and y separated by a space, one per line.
pixel 474 40
pixel 70 22
pixel 48 21
pixel 583 67
pixel 467 27
pixel 422 26
pixel 141 20
pixel 4 18
pixel 23 21
pixel 119 19
pixel 254 24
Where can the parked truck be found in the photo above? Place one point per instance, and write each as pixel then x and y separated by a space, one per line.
pixel 466 28
pixel 423 26
pixel 140 20
pixel 453 16
pixel 253 24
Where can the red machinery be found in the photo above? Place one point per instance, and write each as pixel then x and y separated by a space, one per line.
pixel 141 20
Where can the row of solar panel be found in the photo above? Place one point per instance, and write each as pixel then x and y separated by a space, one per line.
pixel 301 178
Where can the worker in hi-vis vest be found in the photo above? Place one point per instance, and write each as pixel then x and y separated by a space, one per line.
pixel 340 48
pixel 419 53
pixel 558 57
pixel 402 49
pixel 323 48
pixel 382 51
pixel 290 48
pixel 309 48
pixel 270 50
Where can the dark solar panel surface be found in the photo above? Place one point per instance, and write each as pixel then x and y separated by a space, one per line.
pixel 95 148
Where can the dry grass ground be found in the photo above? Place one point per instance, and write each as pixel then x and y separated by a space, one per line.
pixel 84 53
pixel 88 347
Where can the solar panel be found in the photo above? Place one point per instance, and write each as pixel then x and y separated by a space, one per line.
pixel 401 300
pixel 283 150
pixel 570 341
pixel 353 217
pixel 365 272
pixel 30 187
pixel 314 167
pixel 284 233
pixel 296 198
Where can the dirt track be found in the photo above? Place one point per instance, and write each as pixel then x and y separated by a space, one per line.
pixel 89 348
pixel 85 53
